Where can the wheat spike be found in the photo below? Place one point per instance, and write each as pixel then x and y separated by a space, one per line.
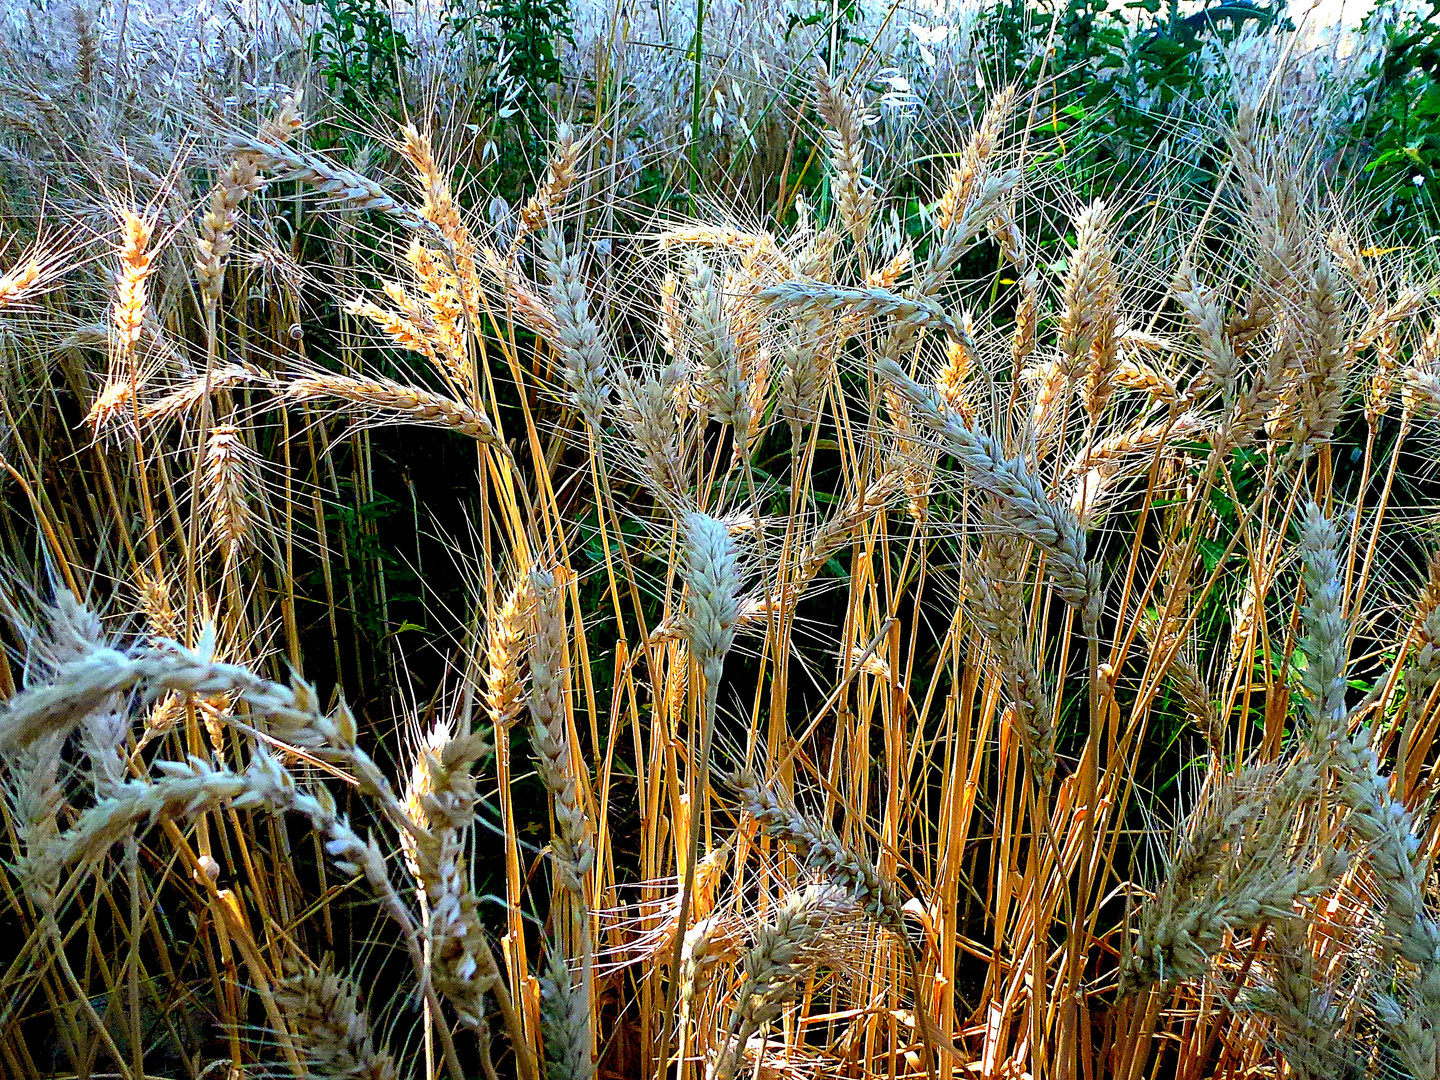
pixel 401 403
pixel 325 1008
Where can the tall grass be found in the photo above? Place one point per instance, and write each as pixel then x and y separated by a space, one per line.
pixel 884 646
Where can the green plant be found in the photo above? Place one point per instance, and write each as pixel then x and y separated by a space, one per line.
pixel 1398 133
pixel 358 50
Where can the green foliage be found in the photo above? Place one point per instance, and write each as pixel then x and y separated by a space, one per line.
pixel 358 50
pixel 1118 78
pixel 518 41
pixel 1399 134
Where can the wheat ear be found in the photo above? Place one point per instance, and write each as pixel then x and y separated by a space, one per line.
pixel 1020 499
pixel 1234 868
pixel 136 256
pixel 405 404
pixel 783 953
pixel 1383 822
pixel 217 225
pixel 579 336
pixel 325 1008
pixel 845 120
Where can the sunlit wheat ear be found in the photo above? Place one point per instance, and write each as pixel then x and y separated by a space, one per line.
pixel 504 651
pixel 1237 865
pixel 582 347
pixel 438 208
pixel 995 602
pixel 31 274
pixel 573 844
pixel 783 953
pixel 240 178
pixel 564 1023
pixel 519 299
pixel 397 403
pixel 1020 501
pixel 443 314
pixel 131 281
pixel 228 478
pixel 974 158
pixel 178 403
pixel 559 178
pixel 410 328
pixel 1089 308
pixel 324 1008
pixel 845 136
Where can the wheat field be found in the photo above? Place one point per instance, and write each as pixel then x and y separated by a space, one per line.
pixel 874 646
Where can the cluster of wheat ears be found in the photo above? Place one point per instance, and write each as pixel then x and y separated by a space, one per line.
pixel 1071 512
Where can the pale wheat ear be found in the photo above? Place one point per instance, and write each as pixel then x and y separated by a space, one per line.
pixel 1233 869
pixel 782 953
pixel 240 178
pixel 845 120
pixel 995 602
pixel 1020 500
pixel 1382 822
pixel 579 336
pixel 324 1008
pixel 1307 1009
